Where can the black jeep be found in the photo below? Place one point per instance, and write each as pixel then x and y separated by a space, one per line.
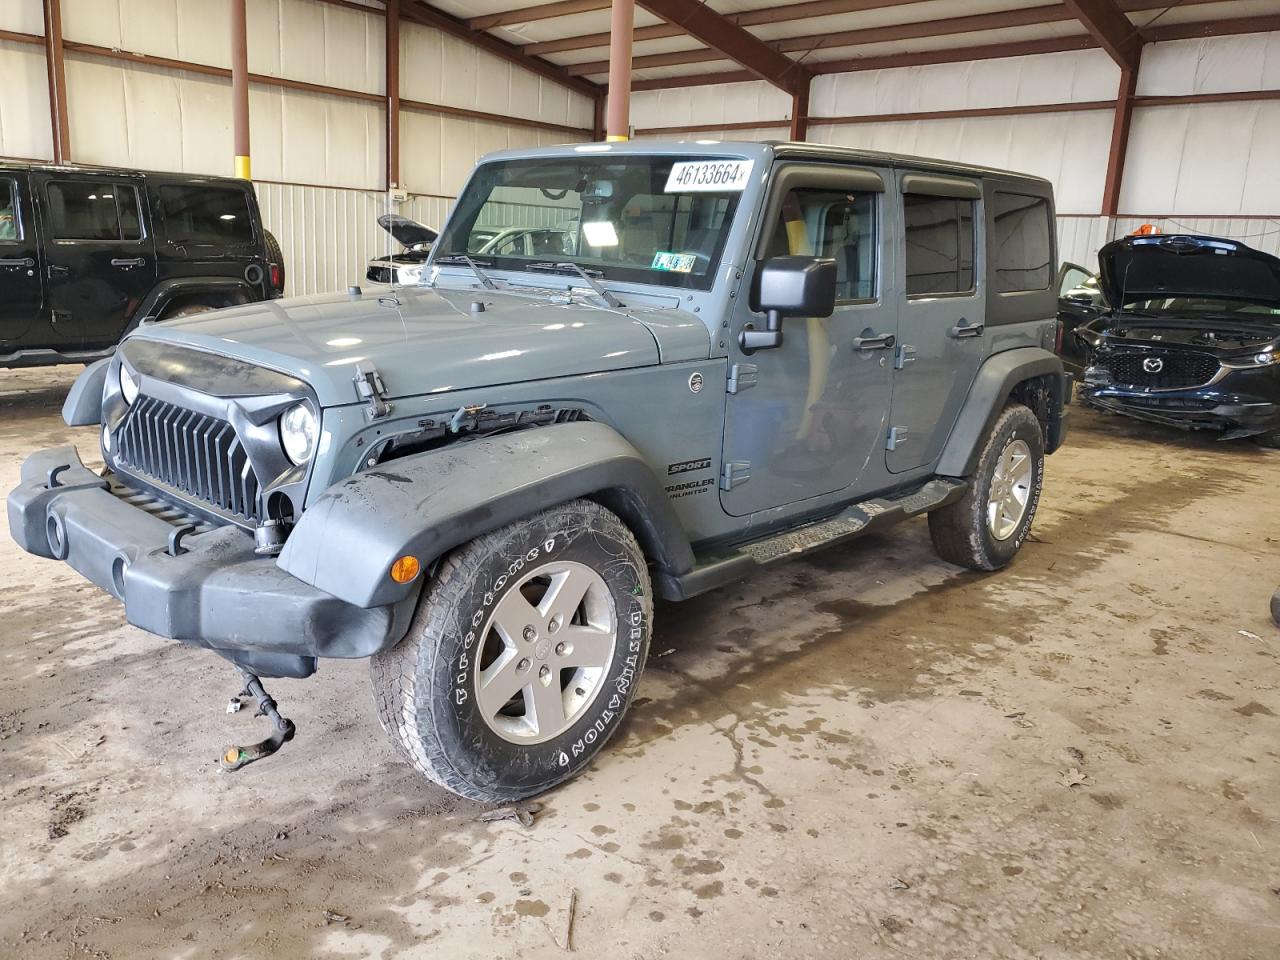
pixel 86 254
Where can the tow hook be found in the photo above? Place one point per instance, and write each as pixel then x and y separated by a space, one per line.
pixel 234 757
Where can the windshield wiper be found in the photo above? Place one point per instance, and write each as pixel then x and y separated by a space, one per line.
pixel 607 298
pixel 462 258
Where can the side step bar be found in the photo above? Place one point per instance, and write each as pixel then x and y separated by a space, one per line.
pixel 735 563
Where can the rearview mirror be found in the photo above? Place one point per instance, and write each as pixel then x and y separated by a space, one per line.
pixel 791 287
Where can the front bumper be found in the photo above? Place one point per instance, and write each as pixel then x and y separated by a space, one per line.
pixel 1232 415
pixel 214 593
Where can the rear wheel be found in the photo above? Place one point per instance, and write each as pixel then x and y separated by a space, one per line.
pixel 984 529
pixel 523 655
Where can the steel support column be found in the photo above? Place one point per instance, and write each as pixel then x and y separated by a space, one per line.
pixel 57 81
pixel 621 28
pixel 393 93
pixel 800 113
pixel 1119 140
pixel 240 88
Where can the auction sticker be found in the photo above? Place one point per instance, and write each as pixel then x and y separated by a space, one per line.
pixel 674 262
pixel 709 176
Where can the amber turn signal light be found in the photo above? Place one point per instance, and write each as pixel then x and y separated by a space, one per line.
pixel 405 569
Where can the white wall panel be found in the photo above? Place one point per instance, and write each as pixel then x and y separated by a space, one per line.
pixel 1250 61
pixel 720 103
pixel 757 133
pixel 25 130
pixel 1203 160
pixel 148 117
pixel 437 153
pixel 436 68
pixel 1069 149
pixel 1011 81
pixel 22 16
pixel 1080 238
pixel 195 30
pixel 317 43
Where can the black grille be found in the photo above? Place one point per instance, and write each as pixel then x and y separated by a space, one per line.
pixel 1176 369
pixel 197 455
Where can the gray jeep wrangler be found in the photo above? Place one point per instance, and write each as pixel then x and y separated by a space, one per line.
pixel 737 353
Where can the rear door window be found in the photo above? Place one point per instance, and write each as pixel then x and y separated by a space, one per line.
pixel 1022 251
pixel 939 254
pixel 206 215
pixel 10 222
pixel 94 210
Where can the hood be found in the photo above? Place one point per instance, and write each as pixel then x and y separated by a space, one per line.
pixel 408 232
pixel 1163 267
pixel 432 341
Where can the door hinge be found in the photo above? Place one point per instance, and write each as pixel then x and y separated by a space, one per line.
pixel 906 354
pixel 743 376
pixel 61 318
pixel 897 438
pixel 734 473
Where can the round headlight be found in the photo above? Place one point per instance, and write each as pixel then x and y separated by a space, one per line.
pixel 298 430
pixel 128 385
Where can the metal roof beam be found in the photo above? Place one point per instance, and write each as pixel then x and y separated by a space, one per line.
pixel 429 16
pixel 1111 28
pixel 729 41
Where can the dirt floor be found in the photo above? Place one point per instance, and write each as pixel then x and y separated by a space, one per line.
pixel 868 754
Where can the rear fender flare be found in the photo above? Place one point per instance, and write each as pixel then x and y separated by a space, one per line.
pixel 427 504
pixel 991 390
pixel 164 294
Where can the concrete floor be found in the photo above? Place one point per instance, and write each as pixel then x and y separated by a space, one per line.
pixel 860 755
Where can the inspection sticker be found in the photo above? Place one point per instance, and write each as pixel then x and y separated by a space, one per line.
pixel 673 262
pixel 709 176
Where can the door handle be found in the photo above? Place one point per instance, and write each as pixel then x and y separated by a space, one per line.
pixel 57 270
pixel 965 329
pixel 23 262
pixel 884 341
pixel 135 262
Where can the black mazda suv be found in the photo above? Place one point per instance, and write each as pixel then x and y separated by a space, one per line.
pixel 1188 335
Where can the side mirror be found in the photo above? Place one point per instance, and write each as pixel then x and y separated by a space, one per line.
pixel 791 287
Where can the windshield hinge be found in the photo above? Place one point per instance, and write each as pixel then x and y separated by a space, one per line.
pixel 371 389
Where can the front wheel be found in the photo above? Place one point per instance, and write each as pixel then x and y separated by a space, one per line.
pixel 523 655
pixel 984 528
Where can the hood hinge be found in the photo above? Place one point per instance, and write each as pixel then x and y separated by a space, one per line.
pixel 371 389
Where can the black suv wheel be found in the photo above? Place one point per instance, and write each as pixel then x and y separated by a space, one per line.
pixel 523 655
pixel 984 529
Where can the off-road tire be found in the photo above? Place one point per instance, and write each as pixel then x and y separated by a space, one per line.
pixel 276 256
pixel 960 532
pixel 424 687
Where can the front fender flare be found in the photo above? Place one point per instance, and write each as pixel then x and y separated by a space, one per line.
pixel 427 504
pixel 991 388
pixel 83 406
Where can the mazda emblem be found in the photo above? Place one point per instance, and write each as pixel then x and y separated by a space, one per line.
pixel 1153 364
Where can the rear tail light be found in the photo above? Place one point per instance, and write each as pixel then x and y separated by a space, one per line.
pixel 276 278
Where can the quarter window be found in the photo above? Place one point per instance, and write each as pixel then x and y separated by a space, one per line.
pixel 835 224
pixel 94 210
pixel 203 214
pixel 10 226
pixel 939 241
pixel 1022 251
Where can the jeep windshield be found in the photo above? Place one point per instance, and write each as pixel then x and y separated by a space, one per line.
pixel 618 217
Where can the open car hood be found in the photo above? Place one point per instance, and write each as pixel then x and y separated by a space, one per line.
pixel 409 232
pixel 1137 269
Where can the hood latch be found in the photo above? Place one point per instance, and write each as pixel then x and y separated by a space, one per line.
pixel 371 389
